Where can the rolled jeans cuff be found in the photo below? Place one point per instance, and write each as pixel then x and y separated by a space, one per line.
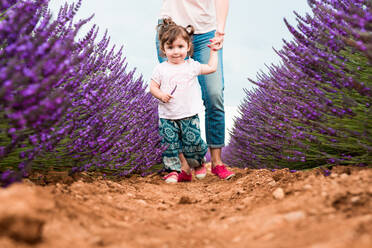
pixel 216 146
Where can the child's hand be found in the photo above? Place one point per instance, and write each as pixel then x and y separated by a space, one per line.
pixel 214 46
pixel 217 41
pixel 165 97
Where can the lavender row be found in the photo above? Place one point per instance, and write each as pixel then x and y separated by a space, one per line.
pixel 314 108
pixel 69 103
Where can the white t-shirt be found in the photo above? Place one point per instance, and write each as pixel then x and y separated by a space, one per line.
pixel 181 79
pixel 201 14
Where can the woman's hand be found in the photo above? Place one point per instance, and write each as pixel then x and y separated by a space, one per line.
pixel 217 41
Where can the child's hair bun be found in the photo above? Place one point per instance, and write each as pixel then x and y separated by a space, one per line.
pixel 190 30
pixel 168 22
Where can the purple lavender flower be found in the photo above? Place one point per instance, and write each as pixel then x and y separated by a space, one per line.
pixel 326 172
pixel 173 90
pixel 313 107
pixel 68 99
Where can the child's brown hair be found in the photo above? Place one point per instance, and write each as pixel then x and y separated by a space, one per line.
pixel 169 31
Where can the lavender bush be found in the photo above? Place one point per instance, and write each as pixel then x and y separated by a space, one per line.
pixel 314 108
pixel 68 103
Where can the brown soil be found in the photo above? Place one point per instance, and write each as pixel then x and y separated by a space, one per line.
pixel 257 208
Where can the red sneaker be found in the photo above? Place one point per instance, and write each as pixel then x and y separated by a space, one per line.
pixel 201 172
pixel 171 177
pixel 184 177
pixel 222 172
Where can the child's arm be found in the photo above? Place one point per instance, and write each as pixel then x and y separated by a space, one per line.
pixel 156 92
pixel 212 63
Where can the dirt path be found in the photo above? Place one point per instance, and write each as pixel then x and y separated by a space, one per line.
pixel 306 210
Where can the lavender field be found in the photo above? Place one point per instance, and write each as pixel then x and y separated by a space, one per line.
pixel 314 108
pixel 71 104
pixel 68 103
pixel 80 154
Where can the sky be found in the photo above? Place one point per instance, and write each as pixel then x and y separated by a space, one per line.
pixel 253 29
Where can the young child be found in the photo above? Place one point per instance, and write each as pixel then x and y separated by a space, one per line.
pixel 174 82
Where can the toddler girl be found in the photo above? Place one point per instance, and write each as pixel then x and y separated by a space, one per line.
pixel 174 82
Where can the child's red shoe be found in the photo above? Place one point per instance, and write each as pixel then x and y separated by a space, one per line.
pixel 201 172
pixel 184 177
pixel 171 177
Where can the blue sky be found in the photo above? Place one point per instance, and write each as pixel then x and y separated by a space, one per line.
pixel 253 28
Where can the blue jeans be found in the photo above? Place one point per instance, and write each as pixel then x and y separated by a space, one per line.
pixel 212 86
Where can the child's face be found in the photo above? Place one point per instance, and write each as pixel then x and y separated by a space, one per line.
pixel 177 51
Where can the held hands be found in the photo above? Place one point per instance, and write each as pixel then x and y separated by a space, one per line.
pixel 217 41
pixel 213 47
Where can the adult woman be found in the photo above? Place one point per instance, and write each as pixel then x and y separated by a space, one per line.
pixel 208 17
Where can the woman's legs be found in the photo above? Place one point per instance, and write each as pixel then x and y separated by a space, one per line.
pixel 212 86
